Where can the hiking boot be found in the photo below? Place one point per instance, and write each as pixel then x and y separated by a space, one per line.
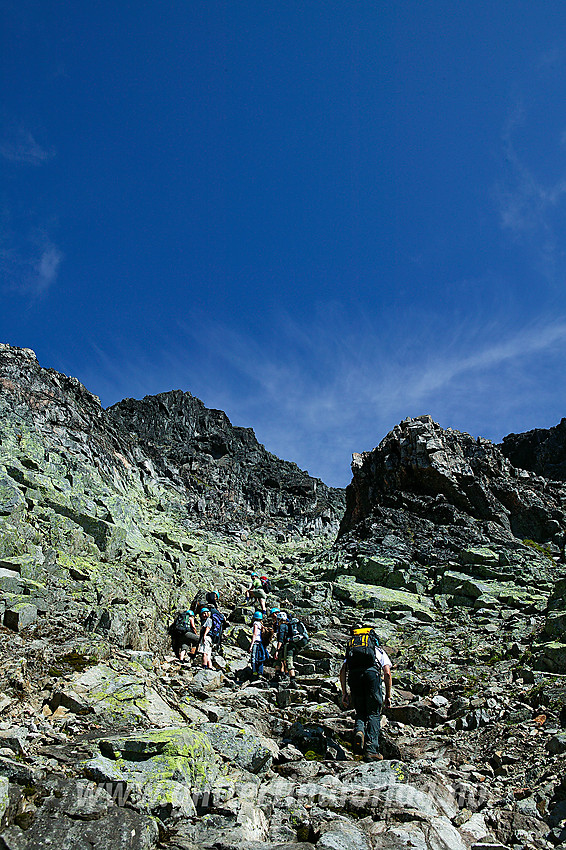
pixel 359 741
pixel 373 757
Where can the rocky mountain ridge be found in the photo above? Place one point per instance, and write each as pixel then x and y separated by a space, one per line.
pixel 111 520
pixel 542 451
pixel 228 473
pixel 452 488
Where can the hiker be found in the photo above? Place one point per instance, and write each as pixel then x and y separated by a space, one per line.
pixel 362 668
pixel 218 622
pixel 256 592
pixel 291 637
pixel 257 648
pixel 184 635
pixel 205 645
pixel 212 598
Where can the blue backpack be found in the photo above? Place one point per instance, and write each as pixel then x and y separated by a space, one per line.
pixel 218 621
pixel 299 636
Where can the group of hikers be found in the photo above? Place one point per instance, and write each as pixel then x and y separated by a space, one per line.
pixel 188 638
pixel 197 633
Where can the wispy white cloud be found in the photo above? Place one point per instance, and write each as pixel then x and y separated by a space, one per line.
pixel 31 266
pixel 531 207
pixel 317 390
pixel 341 386
pixel 525 200
pixel 17 145
pixel 47 266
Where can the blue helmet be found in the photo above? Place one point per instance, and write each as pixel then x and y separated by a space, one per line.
pixel 205 610
pixel 191 613
pixel 257 615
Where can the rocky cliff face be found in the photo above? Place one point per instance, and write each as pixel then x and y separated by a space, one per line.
pixel 430 492
pixel 226 474
pixel 542 451
pixel 111 520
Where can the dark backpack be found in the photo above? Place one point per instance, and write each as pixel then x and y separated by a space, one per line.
pixel 211 598
pixel 360 651
pixel 182 623
pixel 265 583
pixel 198 602
pixel 299 637
pixel 218 621
pixel 266 635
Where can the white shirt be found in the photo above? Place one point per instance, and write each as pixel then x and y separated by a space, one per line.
pixel 382 657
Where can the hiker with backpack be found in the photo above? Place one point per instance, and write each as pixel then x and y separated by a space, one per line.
pixel 257 592
pixel 257 648
pixel 292 637
pixel 217 630
pixel 364 663
pixel 184 635
pixel 205 645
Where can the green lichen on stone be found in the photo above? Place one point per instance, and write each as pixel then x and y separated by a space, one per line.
pixel 379 598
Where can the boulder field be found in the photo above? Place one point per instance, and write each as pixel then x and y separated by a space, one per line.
pixel 111 521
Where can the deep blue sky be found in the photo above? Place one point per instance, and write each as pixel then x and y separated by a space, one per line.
pixel 320 217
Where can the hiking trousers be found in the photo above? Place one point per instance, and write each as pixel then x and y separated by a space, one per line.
pixel 367 699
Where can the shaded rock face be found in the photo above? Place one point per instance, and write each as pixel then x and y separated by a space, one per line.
pixel 60 409
pixel 221 472
pixel 223 468
pixel 542 451
pixel 436 491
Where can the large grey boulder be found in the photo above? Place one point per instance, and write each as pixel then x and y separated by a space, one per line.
pixel 122 697
pixel 242 745
pixel 79 814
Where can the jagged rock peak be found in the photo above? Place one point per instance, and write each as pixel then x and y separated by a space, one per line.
pixel 32 386
pixel 212 456
pixel 448 480
pixel 220 472
pixel 542 450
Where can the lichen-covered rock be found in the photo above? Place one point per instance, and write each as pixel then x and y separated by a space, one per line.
pixel 379 598
pixel 242 746
pixel 555 625
pixel 11 497
pixel 20 615
pixel 550 656
pixel 161 770
pixel 81 814
pixel 118 697
pixel 4 796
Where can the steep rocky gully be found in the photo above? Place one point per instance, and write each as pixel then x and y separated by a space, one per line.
pixel 110 521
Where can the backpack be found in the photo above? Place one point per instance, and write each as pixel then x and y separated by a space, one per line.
pixel 211 598
pixel 266 635
pixel 198 602
pixel 182 623
pixel 217 624
pixel 299 637
pixel 360 650
pixel 265 583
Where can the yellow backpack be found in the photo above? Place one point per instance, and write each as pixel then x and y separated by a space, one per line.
pixel 360 650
